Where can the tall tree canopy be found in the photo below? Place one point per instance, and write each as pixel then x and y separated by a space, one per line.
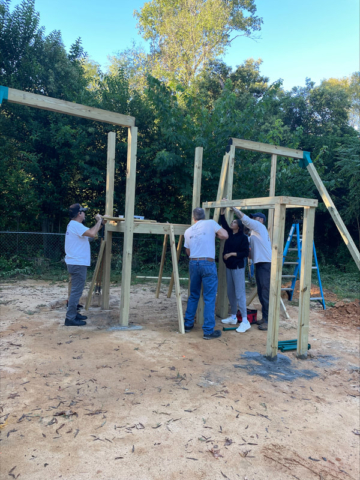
pixel 186 34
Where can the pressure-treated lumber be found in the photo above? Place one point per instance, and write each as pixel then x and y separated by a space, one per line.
pixel 197 178
pixel 153 228
pixel 272 194
pixel 75 109
pixel 264 203
pixel 129 226
pixel 162 263
pixel 109 210
pixel 122 219
pixel 266 148
pixel 177 281
pixel 178 251
pixel 96 271
pixel 221 187
pixel 349 242
pixel 305 281
pixel 275 281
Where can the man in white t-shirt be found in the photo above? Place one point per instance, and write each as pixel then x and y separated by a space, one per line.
pixel 77 259
pixel 261 256
pixel 200 247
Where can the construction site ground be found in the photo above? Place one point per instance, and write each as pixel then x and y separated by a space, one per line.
pixel 99 403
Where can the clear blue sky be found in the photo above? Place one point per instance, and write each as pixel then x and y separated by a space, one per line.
pixel 300 38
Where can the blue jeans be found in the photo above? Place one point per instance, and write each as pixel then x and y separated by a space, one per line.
pixel 205 273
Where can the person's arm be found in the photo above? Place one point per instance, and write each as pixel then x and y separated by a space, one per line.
pixel 222 234
pixel 187 250
pixel 248 222
pixel 224 223
pixel 91 232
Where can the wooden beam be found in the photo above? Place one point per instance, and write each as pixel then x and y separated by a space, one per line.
pixel 349 242
pixel 96 271
pixel 197 179
pixel 275 282
pixel 69 108
pixel 129 226
pixel 178 252
pixel 263 202
pixel 122 219
pixel 305 281
pixel 272 194
pixel 162 263
pixel 177 281
pixel 266 148
pixel 109 210
pixel 151 228
pixel 221 187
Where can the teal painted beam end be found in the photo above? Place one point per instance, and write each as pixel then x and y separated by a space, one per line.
pixel 4 92
pixel 306 160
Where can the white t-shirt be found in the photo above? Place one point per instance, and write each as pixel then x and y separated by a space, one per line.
pixel 200 239
pixel 77 247
pixel 259 240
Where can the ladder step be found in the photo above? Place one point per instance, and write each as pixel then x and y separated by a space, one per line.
pixel 288 276
pixel 314 268
pixel 286 289
pixel 292 250
pixel 316 298
pixel 291 263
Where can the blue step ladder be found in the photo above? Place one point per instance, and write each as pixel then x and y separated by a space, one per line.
pixel 290 290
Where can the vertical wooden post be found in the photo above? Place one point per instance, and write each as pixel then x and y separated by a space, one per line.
pixel 178 252
pixel 272 194
pixel 305 281
pixel 96 271
pixel 161 266
pixel 275 281
pixel 109 210
pixel 177 281
pixel 222 301
pixel 129 226
pixel 222 185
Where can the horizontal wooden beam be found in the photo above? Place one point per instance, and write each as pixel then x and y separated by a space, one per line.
pixel 266 148
pixel 122 219
pixel 153 228
pixel 75 109
pixel 263 203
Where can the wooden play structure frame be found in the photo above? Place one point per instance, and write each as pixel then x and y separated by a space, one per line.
pixel 276 205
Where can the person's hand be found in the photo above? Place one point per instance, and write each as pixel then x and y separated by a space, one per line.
pixel 227 255
pixel 236 211
pixel 98 217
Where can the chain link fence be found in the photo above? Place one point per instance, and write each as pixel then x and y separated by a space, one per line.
pixel 37 253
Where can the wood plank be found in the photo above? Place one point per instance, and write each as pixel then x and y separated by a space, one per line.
pixel 109 210
pixel 263 202
pixel 69 108
pixel 272 194
pixel 129 226
pixel 162 263
pixel 275 281
pixel 96 271
pixel 153 228
pixel 266 148
pixel 305 281
pixel 221 187
pixel 118 219
pixel 197 179
pixel 294 202
pixel 178 252
pixel 349 242
pixel 177 281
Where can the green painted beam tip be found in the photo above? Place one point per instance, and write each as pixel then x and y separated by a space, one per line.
pixel 4 92
pixel 306 160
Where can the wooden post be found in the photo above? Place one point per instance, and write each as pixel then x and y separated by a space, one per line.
pixel 275 281
pixel 222 185
pixel 109 210
pixel 177 281
pixel 272 194
pixel 222 302
pixel 129 226
pixel 178 252
pixel 199 319
pixel 305 281
pixel 161 266
pixel 349 242
pixel 96 271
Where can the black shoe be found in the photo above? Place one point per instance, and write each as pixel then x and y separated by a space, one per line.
pixel 215 334
pixel 263 326
pixel 74 323
pixel 80 317
pixel 77 308
pixel 188 329
pixel 259 322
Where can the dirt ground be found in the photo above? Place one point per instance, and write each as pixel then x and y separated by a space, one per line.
pixel 91 402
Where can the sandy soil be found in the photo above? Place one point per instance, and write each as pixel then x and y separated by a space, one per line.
pixel 88 403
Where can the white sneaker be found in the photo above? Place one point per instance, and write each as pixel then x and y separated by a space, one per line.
pixel 230 320
pixel 244 326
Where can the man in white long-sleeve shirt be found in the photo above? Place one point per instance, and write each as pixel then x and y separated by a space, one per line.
pixel 261 257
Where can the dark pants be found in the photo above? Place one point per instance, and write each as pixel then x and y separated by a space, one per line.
pixel 262 275
pixel 78 278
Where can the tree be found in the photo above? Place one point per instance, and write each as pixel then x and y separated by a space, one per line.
pixel 186 34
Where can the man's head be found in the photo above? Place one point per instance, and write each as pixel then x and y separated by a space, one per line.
pixel 198 214
pixel 260 217
pixel 77 212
